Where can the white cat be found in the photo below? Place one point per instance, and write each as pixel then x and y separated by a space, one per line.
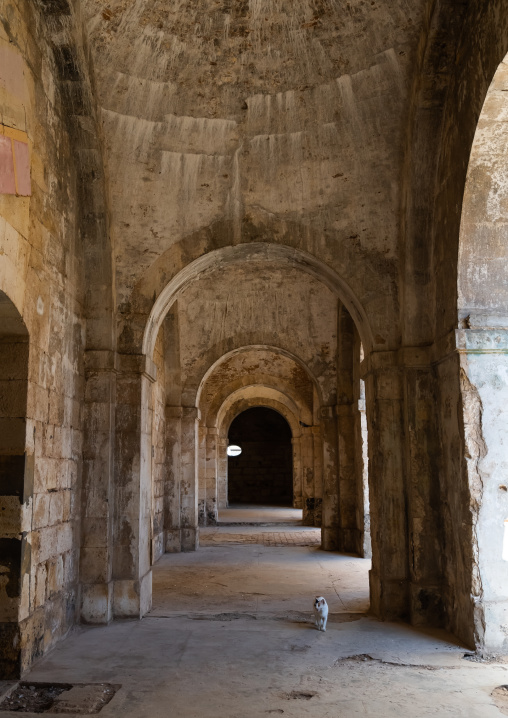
pixel 320 613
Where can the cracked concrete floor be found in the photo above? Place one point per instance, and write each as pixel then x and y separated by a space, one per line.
pixel 230 636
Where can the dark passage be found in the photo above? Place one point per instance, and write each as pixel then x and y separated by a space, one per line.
pixel 263 473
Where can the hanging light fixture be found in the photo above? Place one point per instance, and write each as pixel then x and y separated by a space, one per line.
pixel 233 450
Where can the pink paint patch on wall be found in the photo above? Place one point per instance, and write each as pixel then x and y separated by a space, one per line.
pixel 7 177
pixel 22 158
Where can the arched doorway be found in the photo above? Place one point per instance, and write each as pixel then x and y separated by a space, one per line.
pixel 207 366
pixel 263 473
pixel 14 550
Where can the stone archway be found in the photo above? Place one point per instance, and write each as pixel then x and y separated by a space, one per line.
pixel 259 376
pixel 482 342
pixel 306 441
pixel 190 496
pixel 279 254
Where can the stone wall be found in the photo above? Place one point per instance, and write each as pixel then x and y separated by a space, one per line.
pixel 452 292
pixel 41 273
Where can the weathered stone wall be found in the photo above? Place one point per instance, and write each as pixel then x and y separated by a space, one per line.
pixel 464 291
pixel 482 341
pixel 41 272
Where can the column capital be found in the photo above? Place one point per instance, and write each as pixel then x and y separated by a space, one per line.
pixel 308 430
pixel 106 360
pixel 190 412
pixel 100 360
pixel 403 358
pixel 137 364
pixel 173 412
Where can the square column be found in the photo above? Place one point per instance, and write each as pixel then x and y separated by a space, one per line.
pixel 96 555
pixel 181 492
pixel 132 577
pixel 172 538
pixel 425 523
pixel 188 480
pixel 222 472
pixel 330 520
pixel 296 443
pixel 317 503
pixel 207 470
pixel 479 576
pixel 350 534
pixel 201 468
pixel 307 456
pixel 211 498
pixel 389 580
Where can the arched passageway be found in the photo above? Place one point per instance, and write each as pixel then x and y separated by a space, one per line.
pixel 263 473
pixel 14 558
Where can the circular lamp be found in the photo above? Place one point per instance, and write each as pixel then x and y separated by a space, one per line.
pixel 233 450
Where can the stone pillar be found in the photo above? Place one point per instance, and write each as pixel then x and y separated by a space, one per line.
pixel 188 480
pixel 350 477
pixel 362 468
pixel 317 504
pixel 172 541
pixel 297 472
pixel 96 553
pixel 222 473
pixel 211 500
pixel 350 534
pixel 207 472
pixel 330 518
pixel 389 585
pixel 308 488
pixel 201 471
pixel 132 495
pixel 484 530
pixel 426 539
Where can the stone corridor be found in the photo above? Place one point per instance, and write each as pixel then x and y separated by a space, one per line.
pixel 255 251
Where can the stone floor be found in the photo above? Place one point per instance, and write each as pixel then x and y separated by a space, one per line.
pixel 230 636
pixel 243 513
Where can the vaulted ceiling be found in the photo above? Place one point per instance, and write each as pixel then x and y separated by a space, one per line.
pixel 268 118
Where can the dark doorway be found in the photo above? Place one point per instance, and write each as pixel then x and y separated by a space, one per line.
pixel 263 473
pixel 14 469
